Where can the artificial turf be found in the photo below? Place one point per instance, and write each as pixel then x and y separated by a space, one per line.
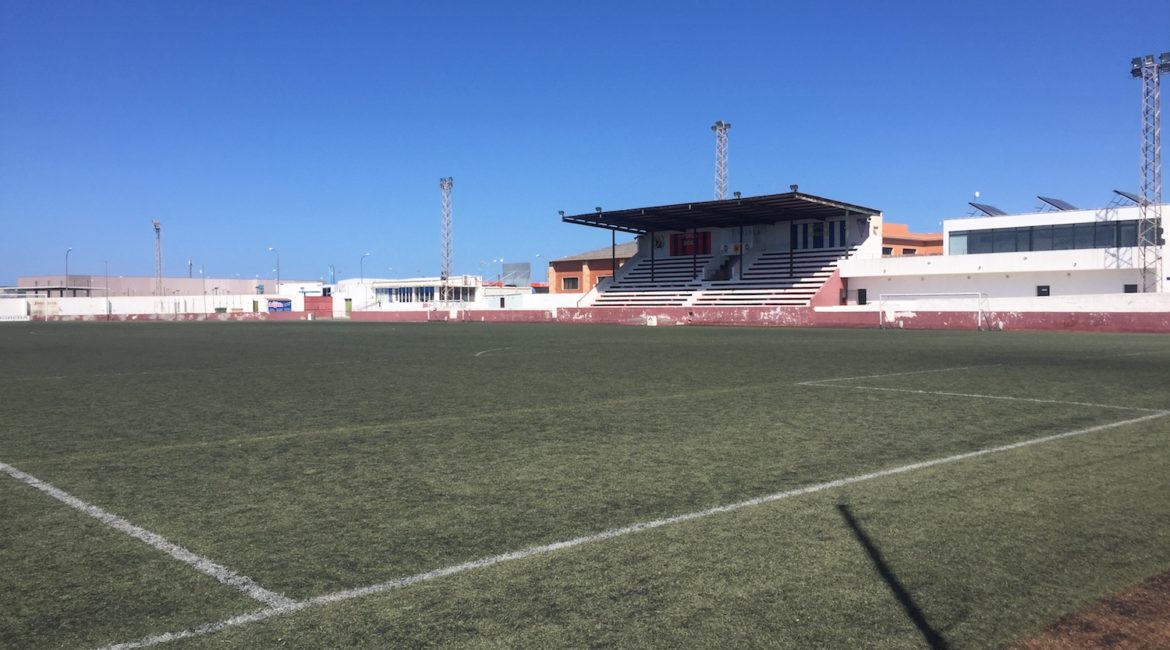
pixel 319 457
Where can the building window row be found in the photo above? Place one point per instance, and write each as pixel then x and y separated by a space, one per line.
pixel 1100 234
pixel 456 294
pixel 404 294
pixel 829 234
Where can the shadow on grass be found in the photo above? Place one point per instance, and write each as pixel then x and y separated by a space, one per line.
pixel 929 634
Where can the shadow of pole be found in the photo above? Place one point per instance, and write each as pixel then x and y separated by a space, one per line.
pixel 929 634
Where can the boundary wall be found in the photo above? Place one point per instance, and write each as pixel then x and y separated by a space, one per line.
pixel 1092 321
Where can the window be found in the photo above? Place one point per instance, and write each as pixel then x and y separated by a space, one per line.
pixel 1023 239
pixel 570 284
pixel 862 296
pixel 456 294
pixel 1042 238
pixel 958 243
pixel 1043 290
pixel 1130 288
pixel 1083 235
pixel 1004 240
pixel 981 241
pixel 1127 233
pixel 602 277
pixel 909 251
pixel 887 250
pixel 1105 236
pixel 1062 238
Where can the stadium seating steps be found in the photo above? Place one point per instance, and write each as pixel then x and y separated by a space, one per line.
pixel 772 278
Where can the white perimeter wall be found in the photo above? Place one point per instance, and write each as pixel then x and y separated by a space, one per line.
pixel 121 305
pixel 1126 302
pixel 13 309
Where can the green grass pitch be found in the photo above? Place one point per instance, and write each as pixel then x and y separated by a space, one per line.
pixel 319 458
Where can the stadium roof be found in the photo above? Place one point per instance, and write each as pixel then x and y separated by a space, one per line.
pixel 744 211
pixel 623 250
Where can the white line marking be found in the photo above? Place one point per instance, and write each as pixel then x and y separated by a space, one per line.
pixel 187 371
pixel 818 382
pixel 483 352
pixel 349 594
pixel 198 562
pixel 999 397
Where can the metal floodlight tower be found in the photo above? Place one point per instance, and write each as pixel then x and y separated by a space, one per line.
pixel 1150 69
pixel 158 281
pixel 445 184
pixel 720 128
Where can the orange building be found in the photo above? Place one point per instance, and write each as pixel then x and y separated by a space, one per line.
pixel 579 273
pixel 898 240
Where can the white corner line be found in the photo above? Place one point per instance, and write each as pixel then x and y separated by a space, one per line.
pixel 359 592
pixel 198 562
pixel 484 352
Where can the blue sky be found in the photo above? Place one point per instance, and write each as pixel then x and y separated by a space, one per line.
pixel 322 128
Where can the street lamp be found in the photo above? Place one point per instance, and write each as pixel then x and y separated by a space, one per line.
pixel 362 266
pixel 107 263
pixel 65 282
pixel 273 250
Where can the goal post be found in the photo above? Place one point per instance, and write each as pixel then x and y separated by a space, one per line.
pixel 972 302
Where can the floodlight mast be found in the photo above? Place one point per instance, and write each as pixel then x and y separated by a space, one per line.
pixel 445 184
pixel 720 128
pixel 1150 69
pixel 158 281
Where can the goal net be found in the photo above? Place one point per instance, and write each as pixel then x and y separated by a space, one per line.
pixel 895 306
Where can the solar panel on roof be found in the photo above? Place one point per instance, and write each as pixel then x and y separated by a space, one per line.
pixel 1059 204
pixel 989 210
pixel 1129 195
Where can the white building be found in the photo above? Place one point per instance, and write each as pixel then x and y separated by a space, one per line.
pixel 1071 260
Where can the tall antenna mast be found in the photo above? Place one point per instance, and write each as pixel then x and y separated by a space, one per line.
pixel 158 283
pixel 446 184
pixel 1150 241
pixel 720 129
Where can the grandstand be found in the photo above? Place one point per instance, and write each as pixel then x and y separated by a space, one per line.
pixel 773 250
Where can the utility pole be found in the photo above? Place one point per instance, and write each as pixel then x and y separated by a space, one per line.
pixel 1150 234
pixel 720 128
